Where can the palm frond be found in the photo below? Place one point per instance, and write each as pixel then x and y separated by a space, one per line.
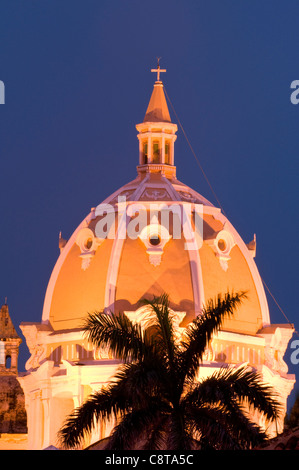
pixel 81 422
pixel 249 388
pixel 178 435
pixel 155 399
pixel 244 385
pixel 160 320
pixel 160 324
pixel 219 428
pixel 199 333
pixel 133 387
pixel 137 425
pixel 157 437
pixel 125 340
pixel 142 380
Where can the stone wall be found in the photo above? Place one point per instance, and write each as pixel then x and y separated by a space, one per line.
pixel 13 418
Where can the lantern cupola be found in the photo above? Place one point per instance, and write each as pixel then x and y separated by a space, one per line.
pixel 157 134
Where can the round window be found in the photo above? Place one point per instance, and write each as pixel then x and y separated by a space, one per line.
pixel 88 243
pixel 155 240
pixel 221 244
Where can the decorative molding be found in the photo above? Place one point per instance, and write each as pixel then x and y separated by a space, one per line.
pixel 61 242
pixel 155 194
pixel 276 342
pixel 143 314
pixel 38 354
pixel 88 244
pixel 35 334
pixel 114 263
pixel 123 194
pixel 192 248
pixel 163 169
pixel 252 246
pixel 185 196
pixel 154 237
pixel 222 244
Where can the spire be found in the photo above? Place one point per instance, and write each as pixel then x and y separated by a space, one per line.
pixel 157 110
pixel 7 330
pixel 9 343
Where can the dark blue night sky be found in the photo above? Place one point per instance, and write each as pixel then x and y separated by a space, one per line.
pixel 77 80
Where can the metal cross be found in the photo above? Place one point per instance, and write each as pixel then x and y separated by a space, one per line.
pixel 158 70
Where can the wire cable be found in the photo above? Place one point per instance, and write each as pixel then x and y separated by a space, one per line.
pixel 215 195
pixel 290 323
pixel 194 154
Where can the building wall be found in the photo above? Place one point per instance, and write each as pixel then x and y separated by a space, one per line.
pixel 12 406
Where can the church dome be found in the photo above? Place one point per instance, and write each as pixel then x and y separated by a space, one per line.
pixel 154 235
pixel 124 250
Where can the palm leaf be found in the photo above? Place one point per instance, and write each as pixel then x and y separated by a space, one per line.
pixel 160 321
pixel 137 425
pixel 125 340
pixel 102 405
pixel 156 438
pixel 142 380
pixel 133 387
pixel 155 400
pixel 244 385
pixel 179 437
pixel 199 333
pixel 218 428
pixel 160 324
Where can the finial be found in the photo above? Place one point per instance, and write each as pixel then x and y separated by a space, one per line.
pixel 5 303
pixel 158 69
pixel 61 242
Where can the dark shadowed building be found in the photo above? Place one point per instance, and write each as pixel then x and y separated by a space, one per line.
pixel 13 418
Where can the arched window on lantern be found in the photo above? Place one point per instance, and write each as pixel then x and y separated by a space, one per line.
pixel 156 152
pixel 145 153
pixel 167 153
pixel 8 362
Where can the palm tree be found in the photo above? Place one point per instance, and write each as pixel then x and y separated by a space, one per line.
pixel 156 398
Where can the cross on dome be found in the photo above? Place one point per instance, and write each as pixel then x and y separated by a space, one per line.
pixel 158 69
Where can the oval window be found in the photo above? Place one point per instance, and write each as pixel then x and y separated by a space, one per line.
pixel 88 243
pixel 155 240
pixel 221 244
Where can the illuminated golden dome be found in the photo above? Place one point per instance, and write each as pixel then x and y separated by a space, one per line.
pixel 153 235
pixel 94 272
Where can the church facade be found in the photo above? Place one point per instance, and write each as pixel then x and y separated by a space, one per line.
pixel 153 235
